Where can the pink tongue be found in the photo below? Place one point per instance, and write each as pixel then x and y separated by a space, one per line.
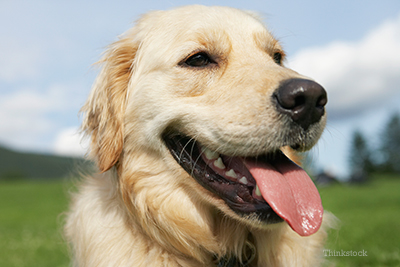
pixel 290 192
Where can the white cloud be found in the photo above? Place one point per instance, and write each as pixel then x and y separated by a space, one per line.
pixel 357 75
pixel 69 142
pixel 21 112
pixel 30 118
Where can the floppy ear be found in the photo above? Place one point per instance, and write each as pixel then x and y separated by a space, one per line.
pixel 104 110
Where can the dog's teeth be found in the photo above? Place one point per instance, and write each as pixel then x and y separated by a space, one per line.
pixel 231 173
pixel 243 180
pixel 211 155
pixel 219 164
pixel 258 192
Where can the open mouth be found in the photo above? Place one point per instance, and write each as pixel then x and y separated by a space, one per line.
pixel 270 187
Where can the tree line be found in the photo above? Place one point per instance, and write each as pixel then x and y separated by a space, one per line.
pixel 384 157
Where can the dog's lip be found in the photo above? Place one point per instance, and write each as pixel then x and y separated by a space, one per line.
pixel 239 197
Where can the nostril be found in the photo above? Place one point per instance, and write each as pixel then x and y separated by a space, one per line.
pixel 322 101
pixel 300 101
pixel 290 99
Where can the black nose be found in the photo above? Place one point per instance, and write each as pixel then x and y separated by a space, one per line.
pixel 303 100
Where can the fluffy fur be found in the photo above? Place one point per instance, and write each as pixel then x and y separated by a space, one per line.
pixel 143 209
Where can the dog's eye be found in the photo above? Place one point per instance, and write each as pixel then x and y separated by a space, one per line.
pixel 278 58
pixel 199 60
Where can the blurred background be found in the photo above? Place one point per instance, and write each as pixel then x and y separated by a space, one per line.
pixel 352 48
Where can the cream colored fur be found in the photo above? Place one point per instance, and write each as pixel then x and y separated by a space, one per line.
pixel 143 209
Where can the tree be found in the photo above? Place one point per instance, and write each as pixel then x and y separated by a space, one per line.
pixel 390 145
pixel 360 155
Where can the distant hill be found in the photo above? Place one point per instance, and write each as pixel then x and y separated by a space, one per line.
pixel 18 165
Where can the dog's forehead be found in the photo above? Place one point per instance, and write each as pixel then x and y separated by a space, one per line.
pixel 206 24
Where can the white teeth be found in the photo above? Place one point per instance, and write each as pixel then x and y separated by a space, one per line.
pixel 210 154
pixel 219 164
pixel 231 173
pixel 258 192
pixel 243 180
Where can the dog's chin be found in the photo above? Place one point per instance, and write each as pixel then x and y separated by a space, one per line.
pixel 238 189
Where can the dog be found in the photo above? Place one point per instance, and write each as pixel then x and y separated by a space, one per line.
pixel 192 120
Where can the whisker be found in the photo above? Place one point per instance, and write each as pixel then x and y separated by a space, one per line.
pixel 197 159
pixel 184 148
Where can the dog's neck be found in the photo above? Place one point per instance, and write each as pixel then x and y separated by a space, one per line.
pixel 229 262
pixel 249 255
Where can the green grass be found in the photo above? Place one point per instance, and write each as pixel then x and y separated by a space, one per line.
pixel 369 221
pixel 31 224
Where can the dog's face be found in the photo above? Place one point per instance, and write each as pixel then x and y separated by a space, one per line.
pixel 204 94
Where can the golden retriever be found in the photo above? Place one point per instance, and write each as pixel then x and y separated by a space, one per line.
pixel 188 119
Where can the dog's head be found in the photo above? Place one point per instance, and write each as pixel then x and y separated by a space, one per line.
pixel 200 97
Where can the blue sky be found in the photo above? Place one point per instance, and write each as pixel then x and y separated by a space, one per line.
pixel 47 49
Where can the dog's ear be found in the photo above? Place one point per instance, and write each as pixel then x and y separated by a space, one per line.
pixel 105 107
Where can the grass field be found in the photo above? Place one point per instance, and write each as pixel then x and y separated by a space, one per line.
pixel 369 222
pixel 30 223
